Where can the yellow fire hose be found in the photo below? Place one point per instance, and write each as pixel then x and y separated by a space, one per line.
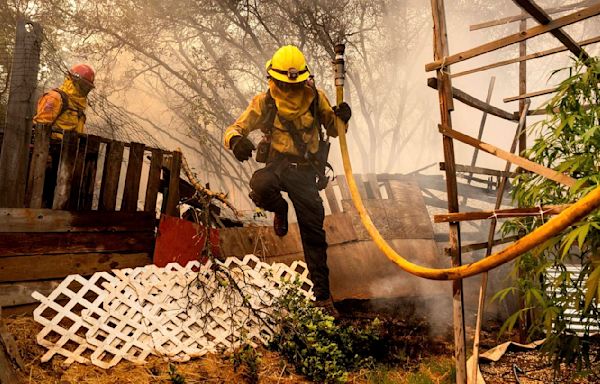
pixel 571 215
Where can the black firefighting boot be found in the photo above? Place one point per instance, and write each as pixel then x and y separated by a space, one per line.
pixel 327 307
pixel 280 222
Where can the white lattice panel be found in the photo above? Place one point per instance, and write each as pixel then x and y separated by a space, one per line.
pixel 175 312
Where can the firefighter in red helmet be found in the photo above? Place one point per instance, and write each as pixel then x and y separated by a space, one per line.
pixel 64 107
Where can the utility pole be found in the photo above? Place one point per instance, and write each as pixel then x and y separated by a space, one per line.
pixel 14 153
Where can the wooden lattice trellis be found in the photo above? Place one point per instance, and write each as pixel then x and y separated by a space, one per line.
pixel 175 312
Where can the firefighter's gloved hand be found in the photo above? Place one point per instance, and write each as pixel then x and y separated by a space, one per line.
pixel 242 147
pixel 343 111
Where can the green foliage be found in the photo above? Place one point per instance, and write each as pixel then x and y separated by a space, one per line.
pixel 175 377
pixel 567 141
pixel 247 361
pixel 318 347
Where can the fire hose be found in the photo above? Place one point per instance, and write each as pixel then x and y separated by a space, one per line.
pixel 569 216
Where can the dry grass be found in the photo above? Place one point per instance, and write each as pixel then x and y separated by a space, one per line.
pixel 209 369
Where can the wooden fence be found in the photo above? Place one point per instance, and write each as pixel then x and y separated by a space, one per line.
pixel 102 215
pixel 94 174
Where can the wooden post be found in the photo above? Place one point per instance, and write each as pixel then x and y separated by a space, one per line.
pixel 110 176
pixel 173 194
pixel 64 179
pixel 522 83
pixel 14 155
pixel 153 180
pixel 445 95
pixel 37 169
pixel 491 232
pixel 482 126
pixel 522 139
pixel 132 177
pixel 88 179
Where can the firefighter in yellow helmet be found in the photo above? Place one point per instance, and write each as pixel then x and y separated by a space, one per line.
pixel 63 109
pixel 291 114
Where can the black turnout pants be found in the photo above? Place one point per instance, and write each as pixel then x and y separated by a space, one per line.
pixel 299 181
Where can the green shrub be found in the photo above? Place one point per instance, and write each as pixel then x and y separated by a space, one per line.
pixel 319 348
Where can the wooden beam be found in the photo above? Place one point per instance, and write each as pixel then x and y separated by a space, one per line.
pixel 479 246
pixel 522 58
pixel 26 243
pixel 546 210
pixel 478 170
pixel 48 220
pixel 530 95
pixel 572 18
pixel 518 160
pixel 511 19
pixel 474 102
pixel 543 18
pixel 41 267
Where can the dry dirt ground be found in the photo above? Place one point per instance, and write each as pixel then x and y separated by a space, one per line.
pixel 415 357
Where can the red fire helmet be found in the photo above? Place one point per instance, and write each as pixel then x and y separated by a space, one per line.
pixel 83 72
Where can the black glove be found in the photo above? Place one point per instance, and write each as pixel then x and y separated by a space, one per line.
pixel 343 111
pixel 242 147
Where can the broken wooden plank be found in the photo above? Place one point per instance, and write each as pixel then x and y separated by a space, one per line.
pixel 511 19
pixel 37 169
pixel 153 180
pixel 110 176
pixel 343 185
pixel 12 294
pixel 64 179
pixel 518 160
pixel 543 18
pixel 546 210
pixel 40 243
pixel 474 102
pixel 334 207
pixel 373 186
pixel 530 95
pixel 10 359
pixel 78 173
pixel 88 178
pixel 479 246
pixel 522 58
pixel 41 267
pixel 173 194
pixel 49 220
pixel 132 177
pixel 478 170
pixel 572 18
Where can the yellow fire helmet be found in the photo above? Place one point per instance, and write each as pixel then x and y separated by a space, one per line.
pixel 288 65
